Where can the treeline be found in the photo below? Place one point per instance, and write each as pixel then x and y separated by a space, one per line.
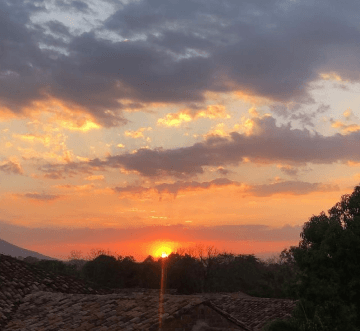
pixel 205 270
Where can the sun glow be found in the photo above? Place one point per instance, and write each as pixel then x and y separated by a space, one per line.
pixel 162 249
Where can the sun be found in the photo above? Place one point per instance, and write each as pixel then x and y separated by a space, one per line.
pixel 162 249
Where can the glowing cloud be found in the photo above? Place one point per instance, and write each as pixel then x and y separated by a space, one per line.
pixel 331 76
pixel 99 177
pixel 346 128
pixel 136 134
pixel 188 115
pixel 46 140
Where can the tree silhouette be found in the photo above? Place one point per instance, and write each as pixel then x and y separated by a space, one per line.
pixel 328 258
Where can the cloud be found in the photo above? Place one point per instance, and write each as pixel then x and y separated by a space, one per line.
pixel 46 140
pixel 288 169
pixel 345 128
pixel 136 134
pixel 58 28
pixel 85 187
pixel 175 188
pixel 219 129
pixel 98 177
pixel 187 115
pixel 11 167
pixel 40 197
pixel 286 187
pixel 294 111
pixel 222 171
pixel 173 54
pixel 73 5
pixel 268 143
pixel 290 187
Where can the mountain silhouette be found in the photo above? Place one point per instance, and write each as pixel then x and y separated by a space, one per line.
pixel 15 251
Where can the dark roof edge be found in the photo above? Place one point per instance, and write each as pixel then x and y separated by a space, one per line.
pixel 226 315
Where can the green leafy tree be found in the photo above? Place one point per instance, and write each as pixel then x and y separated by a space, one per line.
pixel 328 258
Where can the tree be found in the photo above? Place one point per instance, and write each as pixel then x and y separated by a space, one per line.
pixel 76 259
pixel 184 273
pixel 103 270
pixel 328 258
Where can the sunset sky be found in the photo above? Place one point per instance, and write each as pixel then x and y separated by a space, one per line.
pixel 132 125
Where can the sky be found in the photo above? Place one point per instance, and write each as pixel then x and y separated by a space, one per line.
pixel 149 125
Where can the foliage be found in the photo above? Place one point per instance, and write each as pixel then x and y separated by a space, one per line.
pixel 103 270
pixel 281 325
pixel 188 271
pixel 57 267
pixel 184 273
pixel 328 258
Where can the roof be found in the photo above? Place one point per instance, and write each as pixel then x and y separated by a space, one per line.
pixel 255 312
pixel 33 296
pixel 18 279
pixel 56 311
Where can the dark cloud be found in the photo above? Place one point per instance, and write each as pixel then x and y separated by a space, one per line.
pixel 222 171
pixel 289 170
pixel 58 28
pixel 290 187
pixel 11 167
pixel 269 144
pixel 73 5
pixel 176 53
pixel 296 112
pixel 287 187
pixel 174 188
pixel 41 197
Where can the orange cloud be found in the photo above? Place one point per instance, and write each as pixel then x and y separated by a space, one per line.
pixel 188 115
pixel 46 140
pixel 136 134
pixel 219 130
pixel 86 187
pixel 346 128
pixel 250 98
pixel 353 164
pixel 332 76
pixel 99 177
pixel 347 113
pixel 250 126
pixel 65 115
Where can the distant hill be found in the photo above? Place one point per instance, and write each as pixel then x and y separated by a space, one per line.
pixel 15 251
